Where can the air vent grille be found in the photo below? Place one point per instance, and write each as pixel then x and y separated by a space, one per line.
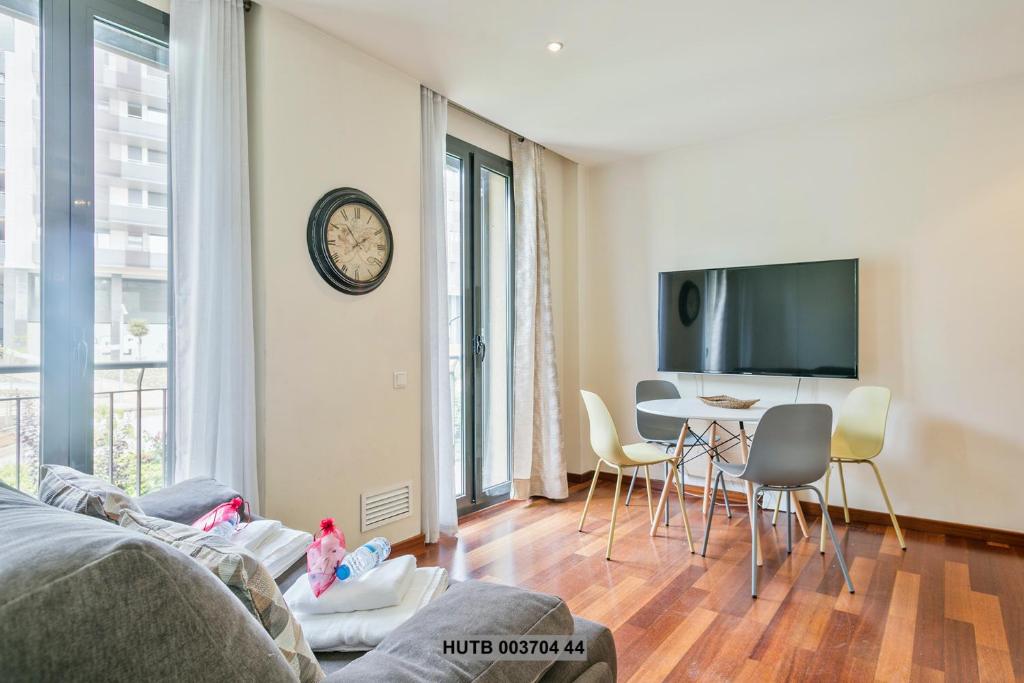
pixel 385 506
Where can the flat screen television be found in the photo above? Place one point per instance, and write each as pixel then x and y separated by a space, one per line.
pixel 795 319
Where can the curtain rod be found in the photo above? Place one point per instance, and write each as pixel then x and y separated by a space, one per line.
pixel 486 120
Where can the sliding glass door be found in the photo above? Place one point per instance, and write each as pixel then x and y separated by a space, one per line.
pixel 84 375
pixel 479 223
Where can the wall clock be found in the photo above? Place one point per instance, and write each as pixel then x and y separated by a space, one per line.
pixel 350 241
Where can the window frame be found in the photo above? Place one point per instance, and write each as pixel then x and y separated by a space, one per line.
pixel 67 36
pixel 474 159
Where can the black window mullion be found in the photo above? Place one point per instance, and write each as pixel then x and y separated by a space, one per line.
pixel 81 272
pixel 57 355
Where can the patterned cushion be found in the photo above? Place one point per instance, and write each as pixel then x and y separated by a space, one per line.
pixel 245 577
pixel 69 489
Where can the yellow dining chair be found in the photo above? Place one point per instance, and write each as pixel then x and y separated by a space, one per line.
pixel 605 442
pixel 859 437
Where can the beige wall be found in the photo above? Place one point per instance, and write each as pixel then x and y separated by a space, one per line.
pixel 323 115
pixel 930 196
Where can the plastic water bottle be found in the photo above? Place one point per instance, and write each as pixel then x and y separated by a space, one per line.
pixel 364 558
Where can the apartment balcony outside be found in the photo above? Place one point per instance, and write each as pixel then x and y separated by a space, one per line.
pixel 128 125
pixel 121 170
pixel 134 214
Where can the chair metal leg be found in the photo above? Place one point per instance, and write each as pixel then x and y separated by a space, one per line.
pixel 593 485
pixel 789 521
pixel 725 499
pixel 647 482
pixel 885 495
pixel 821 543
pixel 632 483
pixel 778 504
pixel 615 512
pixel 753 543
pixel 682 507
pixel 835 540
pixel 711 514
pixel 842 485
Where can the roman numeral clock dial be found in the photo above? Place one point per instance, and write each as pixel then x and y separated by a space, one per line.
pixel 350 241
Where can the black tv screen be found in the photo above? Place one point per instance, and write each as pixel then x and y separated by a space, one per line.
pixel 797 319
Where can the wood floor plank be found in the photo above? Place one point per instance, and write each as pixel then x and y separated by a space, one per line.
pixel 895 661
pixel 946 609
pixel 662 661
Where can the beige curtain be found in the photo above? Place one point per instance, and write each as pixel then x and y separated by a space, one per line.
pixel 538 458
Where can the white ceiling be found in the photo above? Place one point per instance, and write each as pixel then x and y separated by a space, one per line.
pixel 647 75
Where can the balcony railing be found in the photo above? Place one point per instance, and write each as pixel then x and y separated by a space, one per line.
pixel 129 428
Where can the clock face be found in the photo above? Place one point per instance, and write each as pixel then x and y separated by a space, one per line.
pixel 350 241
pixel 356 242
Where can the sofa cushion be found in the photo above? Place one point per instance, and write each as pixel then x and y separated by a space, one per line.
pixel 601 661
pixel 188 500
pixel 413 651
pixel 249 580
pixel 82 599
pixel 69 489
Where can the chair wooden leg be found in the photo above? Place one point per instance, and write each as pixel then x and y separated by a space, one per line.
pixel 842 485
pixel 778 504
pixel 682 506
pixel 801 520
pixel 710 471
pixel 615 512
pixel 593 485
pixel 888 504
pixel 647 480
pixel 828 475
pixel 662 501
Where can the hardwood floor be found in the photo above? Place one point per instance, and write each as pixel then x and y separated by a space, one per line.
pixel 946 609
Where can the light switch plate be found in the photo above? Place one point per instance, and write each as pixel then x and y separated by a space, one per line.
pixel 401 379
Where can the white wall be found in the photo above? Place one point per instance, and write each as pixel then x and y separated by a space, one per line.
pixel 930 196
pixel 324 115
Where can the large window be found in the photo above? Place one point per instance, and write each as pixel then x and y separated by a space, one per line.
pixel 84 376
pixel 479 244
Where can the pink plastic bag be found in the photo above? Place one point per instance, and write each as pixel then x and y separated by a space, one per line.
pixel 225 512
pixel 324 556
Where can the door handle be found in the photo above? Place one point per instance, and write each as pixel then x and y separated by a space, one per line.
pixel 82 357
pixel 479 347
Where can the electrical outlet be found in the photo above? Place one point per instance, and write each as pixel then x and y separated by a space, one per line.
pixel 401 379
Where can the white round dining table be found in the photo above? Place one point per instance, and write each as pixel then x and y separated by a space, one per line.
pixel 693 408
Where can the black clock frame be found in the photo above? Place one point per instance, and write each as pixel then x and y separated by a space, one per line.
pixel 316 240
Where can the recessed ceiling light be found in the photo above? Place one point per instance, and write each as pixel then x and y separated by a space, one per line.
pixel 554 46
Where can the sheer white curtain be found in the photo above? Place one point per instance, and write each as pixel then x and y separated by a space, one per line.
pixel 214 365
pixel 438 467
pixel 538 458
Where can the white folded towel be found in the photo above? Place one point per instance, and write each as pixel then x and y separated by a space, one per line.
pixel 251 535
pixel 382 586
pixel 282 549
pixel 363 630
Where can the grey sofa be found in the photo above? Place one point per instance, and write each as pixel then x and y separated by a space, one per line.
pixel 82 599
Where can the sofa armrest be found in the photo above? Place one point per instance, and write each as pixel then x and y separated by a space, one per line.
pixel 600 654
pixel 186 501
pixel 413 651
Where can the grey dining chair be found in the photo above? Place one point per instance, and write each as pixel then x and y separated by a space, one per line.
pixel 790 451
pixel 657 429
